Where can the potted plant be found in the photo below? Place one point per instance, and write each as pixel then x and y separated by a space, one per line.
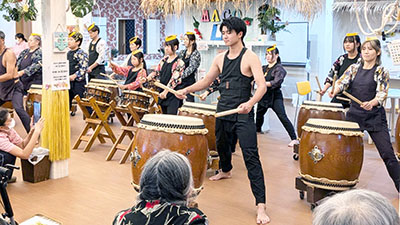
pixel 268 16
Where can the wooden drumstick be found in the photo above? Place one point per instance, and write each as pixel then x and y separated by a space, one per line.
pixel 227 112
pixel 343 99
pixel 109 76
pixel 352 97
pixel 160 85
pixel 150 91
pixel 195 95
pixel 319 85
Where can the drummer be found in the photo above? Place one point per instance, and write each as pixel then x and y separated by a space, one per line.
pixel 169 72
pixel 97 53
pixel 78 64
pixel 274 74
pixel 135 74
pixel 192 58
pixel 368 81
pixel 134 44
pixel 29 63
pixel 351 44
pixel 237 68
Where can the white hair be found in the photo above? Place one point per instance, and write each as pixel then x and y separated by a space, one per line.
pixel 356 207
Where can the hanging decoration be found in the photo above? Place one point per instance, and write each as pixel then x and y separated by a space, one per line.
pixel 307 8
pixel 388 15
pixel 18 9
pixel 196 25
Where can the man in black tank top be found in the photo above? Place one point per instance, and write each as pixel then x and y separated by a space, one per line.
pixel 10 87
pixel 238 68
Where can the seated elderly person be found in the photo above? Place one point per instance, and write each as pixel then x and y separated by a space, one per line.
pixel 11 144
pixel 166 183
pixel 356 207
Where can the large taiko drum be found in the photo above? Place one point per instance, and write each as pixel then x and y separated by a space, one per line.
pixel 136 98
pixel 331 154
pixel 322 110
pixel 185 135
pixel 207 114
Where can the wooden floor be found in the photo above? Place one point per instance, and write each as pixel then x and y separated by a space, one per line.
pixel 96 190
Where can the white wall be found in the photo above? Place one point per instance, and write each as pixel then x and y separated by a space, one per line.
pixel 9 30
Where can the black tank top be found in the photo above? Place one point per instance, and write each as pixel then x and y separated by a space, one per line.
pixel 6 87
pixel 235 88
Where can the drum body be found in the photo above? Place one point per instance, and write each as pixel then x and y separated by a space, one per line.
pixel 322 110
pixel 34 95
pixel 397 137
pixel 101 94
pixel 207 114
pixel 108 84
pixel 185 135
pixel 136 98
pixel 331 154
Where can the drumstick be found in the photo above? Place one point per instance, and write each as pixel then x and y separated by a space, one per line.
pixel 160 85
pixel 214 103
pixel 352 97
pixel 334 83
pixel 319 85
pixel 150 91
pixel 195 95
pixel 227 112
pixel 109 76
pixel 343 99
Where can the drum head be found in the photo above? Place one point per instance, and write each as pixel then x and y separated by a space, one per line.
pixel 326 126
pixel 173 124
pixel 199 108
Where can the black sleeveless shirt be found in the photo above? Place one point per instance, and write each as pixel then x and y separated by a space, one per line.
pixel 235 88
pixel 6 87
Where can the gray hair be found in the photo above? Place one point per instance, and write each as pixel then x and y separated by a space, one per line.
pixel 356 207
pixel 37 38
pixel 2 35
pixel 166 176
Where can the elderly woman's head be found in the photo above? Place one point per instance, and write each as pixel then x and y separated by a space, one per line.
pixel 167 176
pixel 356 207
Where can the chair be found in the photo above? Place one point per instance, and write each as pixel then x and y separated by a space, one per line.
pixel 303 88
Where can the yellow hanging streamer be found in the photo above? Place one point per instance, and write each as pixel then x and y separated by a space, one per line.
pixel 56 134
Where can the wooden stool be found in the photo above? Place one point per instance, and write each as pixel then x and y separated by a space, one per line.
pixel 128 128
pixel 96 121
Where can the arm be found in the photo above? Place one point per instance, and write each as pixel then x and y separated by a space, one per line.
pixel 256 69
pixel 27 151
pixel 210 76
pixel 101 48
pixel 177 71
pixel 334 70
pixel 35 66
pixel 140 77
pixel 9 60
pixel 156 73
pixel 382 78
pixel 279 75
pixel 124 71
pixel 344 81
pixel 194 64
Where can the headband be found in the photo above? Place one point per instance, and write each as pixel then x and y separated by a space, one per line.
pixel 170 38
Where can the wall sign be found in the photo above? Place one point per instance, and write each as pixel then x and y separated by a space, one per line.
pixel 60 41
pixel 60 76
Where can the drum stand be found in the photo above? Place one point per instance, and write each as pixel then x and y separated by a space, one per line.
pixel 314 194
pixel 127 128
pixel 96 121
pixel 155 95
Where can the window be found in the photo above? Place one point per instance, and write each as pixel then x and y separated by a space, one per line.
pixel 126 30
pixel 152 35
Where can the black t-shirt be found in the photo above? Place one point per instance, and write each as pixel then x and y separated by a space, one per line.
pixel 346 63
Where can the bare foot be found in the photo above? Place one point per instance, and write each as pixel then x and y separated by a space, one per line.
pixel 221 175
pixel 262 217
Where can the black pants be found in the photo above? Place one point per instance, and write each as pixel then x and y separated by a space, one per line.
pixel 385 149
pixel 18 105
pixel 77 88
pixel 95 74
pixel 7 158
pixel 279 108
pixel 170 105
pixel 245 130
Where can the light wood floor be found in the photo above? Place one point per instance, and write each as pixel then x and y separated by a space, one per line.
pixel 96 190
